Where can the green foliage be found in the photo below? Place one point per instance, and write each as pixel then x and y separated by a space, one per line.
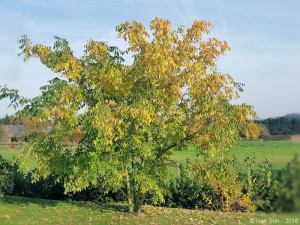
pixel 289 187
pixel 281 126
pixel 261 187
pixel 15 182
pixel 6 120
pixel 185 192
pixel 6 181
pixel 47 188
pixel 295 126
pixel 271 190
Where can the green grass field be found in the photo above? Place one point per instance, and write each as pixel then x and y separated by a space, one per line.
pixel 8 153
pixel 18 210
pixel 278 153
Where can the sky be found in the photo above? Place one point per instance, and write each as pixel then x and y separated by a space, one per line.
pixel 263 35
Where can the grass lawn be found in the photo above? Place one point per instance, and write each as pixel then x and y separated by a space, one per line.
pixel 7 153
pixel 18 210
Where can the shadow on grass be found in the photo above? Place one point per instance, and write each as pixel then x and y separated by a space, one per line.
pixel 101 206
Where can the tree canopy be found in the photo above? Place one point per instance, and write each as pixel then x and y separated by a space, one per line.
pixel 135 115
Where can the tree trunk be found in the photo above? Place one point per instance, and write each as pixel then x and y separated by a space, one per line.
pixel 139 200
pixel 129 197
pixel 138 196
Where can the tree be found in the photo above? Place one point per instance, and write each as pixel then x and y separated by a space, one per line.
pixel 250 130
pixel 264 132
pixel 6 120
pixel 33 125
pixel 135 115
pixel 295 126
pixel 2 134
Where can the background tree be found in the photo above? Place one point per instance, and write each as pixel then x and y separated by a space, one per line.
pixel 281 125
pixel 135 116
pixel 16 120
pixel 295 126
pixel 264 132
pixel 6 120
pixel 33 125
pixel 2 134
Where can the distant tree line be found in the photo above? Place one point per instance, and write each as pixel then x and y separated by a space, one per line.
pixel 5 120
pixel 280 126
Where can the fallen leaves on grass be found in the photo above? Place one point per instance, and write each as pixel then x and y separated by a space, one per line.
pixel 73 210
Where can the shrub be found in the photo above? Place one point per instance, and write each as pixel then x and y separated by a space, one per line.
pixel 184 191
pixel 277 137
pixel 48 188
pixel 274 191
pixel 97 193
pixel 6 181
pixel 289 187
pixel 261 187
pixel 16 183
pixel 223 188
